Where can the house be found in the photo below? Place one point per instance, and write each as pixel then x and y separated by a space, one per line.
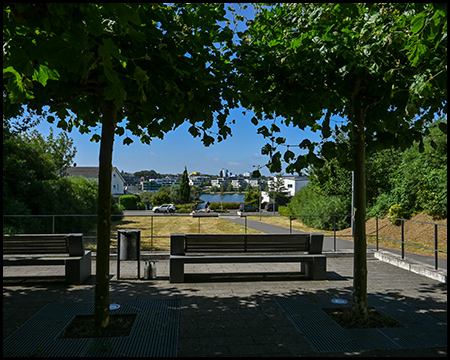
pixel 91 172
pixel 292 184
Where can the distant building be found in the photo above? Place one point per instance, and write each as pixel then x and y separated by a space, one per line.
pixel 292 184
pixel 223 173
pixel 91 172
pixel 151 185
pixel 198 179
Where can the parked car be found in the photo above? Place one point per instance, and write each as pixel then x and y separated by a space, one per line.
pixel 269 207
pixel 169 208
pixel 247 207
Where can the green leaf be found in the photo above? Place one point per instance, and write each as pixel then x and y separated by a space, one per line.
pixel 120 131
pixel 288 156
pixel 96 138
pixel 443 127
pixel 127 141
pixel 326 131
pixel 116 93
pixel 280 140
pixel 266 149
pixel 194 131
pixel 256 174
pixel 43 74
pixel 329 150
pixel 418 22
pixel 275 164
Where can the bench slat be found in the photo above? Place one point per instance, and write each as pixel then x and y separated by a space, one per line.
pixel 68 250
pixel 246 243
pixel 35 244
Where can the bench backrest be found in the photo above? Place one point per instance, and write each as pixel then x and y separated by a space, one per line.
pixel 72 244
pixel 239 243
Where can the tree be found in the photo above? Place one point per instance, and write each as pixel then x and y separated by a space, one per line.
pixel 277 190
pixel 253 197
pixel 381 67
pixel 146 198
pixel 161 197
pixel 32 185
pixel 150 66
pixel 185 189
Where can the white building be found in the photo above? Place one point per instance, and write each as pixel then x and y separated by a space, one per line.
pixel 198 180
pixel 91 172
pixel 292 184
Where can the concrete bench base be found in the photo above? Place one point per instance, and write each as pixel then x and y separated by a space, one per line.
pixel 77 268
pixel 313 266
pixel 49 249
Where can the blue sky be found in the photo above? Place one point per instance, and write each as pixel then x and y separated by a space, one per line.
pixel 239 153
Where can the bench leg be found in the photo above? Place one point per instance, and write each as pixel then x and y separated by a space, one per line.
pixel 176 270
pixel 316 269
pixel 78 271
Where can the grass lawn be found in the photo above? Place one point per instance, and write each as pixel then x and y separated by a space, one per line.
pixel 156 230
pixel 415 232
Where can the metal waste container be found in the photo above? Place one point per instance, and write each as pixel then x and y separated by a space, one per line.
pixel 129 242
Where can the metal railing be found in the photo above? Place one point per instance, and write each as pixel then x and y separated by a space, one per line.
pixel 152 236
pixel 403 242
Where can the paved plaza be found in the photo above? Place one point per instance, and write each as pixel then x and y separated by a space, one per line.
pixel 231 309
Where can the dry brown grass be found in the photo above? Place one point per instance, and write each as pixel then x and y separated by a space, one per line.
pixel 156 230
pixel 415 233
pixel 155 234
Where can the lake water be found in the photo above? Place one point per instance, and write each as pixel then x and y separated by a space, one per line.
pixel 216 198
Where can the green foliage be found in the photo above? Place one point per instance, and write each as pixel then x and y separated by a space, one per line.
pixel 185 189
pixel 417 178
pixel 315 61
pixel 149 62
pixel 252 197
pixel 146 197
pixel 161 197
pixel 32 185
pixel 129 202
pixel 59 196
pixel 316 207
pixel 396 212
pixel 225 205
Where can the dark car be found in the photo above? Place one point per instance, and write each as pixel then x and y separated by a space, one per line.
pixel 269 207
pixel 247 207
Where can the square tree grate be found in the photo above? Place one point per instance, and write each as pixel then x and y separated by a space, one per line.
pixel 325 335
pixel 154 332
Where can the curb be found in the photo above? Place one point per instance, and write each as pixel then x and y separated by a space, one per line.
pixel 412 265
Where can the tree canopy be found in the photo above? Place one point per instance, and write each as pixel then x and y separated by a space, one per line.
pixel 158 64
pixel 307 63
pixel 382 68
pixel 153 65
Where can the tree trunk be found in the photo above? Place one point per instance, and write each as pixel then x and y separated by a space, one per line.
pixel 101 309
pixel 359 215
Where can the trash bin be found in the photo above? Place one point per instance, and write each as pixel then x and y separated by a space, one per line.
pixel 129 243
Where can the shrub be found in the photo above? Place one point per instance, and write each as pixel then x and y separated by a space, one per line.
pixel 129 202
pixel 398 212
pixel 310 202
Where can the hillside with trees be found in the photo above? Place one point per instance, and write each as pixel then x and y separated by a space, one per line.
pixel 33 184
pixel 399 184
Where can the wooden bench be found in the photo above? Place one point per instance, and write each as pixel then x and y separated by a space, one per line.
pixel 247 248
pixel 49 249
